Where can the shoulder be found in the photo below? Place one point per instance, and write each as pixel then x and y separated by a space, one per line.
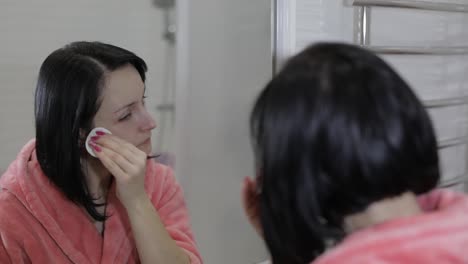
pixel 410 240
pixel 15 218
pixel 19 234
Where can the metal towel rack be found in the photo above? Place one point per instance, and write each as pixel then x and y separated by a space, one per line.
pixel 421 50
pixel 362 37
pixel 413 4
pixel 362 27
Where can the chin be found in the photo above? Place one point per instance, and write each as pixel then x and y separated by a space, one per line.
pixel 146 148
pixel 147 151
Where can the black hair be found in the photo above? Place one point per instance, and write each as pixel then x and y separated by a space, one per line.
pixel 67 98
pixel 334 131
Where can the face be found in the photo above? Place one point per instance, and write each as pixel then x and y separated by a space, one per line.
pixel 123 109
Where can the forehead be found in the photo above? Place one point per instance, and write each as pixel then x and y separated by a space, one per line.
pixel 121 87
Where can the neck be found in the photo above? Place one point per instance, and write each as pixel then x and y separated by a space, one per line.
pixel 98 179
pixel 404 205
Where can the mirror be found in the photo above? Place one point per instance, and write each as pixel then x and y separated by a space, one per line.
pixel 218 58
pixel 208 60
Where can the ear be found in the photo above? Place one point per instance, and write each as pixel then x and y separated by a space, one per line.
pixel 251 203
pixel 82 139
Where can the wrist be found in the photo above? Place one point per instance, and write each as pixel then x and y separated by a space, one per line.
pixel 137 203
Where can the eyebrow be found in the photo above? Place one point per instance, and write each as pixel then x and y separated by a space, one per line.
pixel 130 104
pixel 123 107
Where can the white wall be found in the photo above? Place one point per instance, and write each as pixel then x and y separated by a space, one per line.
pixel 30 30
pixel 229 61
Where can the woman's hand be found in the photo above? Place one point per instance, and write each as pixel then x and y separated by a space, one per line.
pixel 250 202
pixel 128 166
pixel 126 163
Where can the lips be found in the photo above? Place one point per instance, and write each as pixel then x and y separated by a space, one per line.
pixel 147 141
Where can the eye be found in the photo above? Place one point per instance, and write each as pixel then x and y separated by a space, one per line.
pixel 125 117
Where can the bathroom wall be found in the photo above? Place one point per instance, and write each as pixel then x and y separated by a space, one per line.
pixel 228 61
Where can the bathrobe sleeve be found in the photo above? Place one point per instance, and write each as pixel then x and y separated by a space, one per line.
pixel 11 252
pixel 167 197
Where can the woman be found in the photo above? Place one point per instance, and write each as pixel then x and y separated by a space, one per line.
pixel 61 205
pixel 347 161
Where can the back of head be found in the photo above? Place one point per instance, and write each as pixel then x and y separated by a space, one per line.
pixel 336 130
pixel 67 98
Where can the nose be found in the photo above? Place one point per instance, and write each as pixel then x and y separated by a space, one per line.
pixel 148 123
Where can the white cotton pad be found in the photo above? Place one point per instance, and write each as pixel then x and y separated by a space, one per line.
pixel 92 134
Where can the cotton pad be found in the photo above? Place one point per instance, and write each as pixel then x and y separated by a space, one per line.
pixel 92 134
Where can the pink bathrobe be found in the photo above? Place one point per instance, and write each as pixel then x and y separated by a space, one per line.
pixel 39 225
pixel 440 236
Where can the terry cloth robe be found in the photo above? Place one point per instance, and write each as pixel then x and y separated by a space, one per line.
pixel 38 224
pixel 438 236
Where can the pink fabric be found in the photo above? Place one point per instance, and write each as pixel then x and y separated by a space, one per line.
pixel 39 225
pixel 439 236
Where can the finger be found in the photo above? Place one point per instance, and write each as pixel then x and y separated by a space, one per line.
pixel 130 146
pixel 135 152
pixel 110 142
pixel 125 166
pixel 110 165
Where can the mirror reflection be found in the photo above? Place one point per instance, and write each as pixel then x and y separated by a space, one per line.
pixel 233 131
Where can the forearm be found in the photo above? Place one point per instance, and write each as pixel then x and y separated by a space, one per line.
pixel 154 244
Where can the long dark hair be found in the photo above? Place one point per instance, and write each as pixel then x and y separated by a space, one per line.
pixel 334 131
pixel 67 98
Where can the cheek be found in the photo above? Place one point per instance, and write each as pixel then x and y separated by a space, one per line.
pixel 124 137
pixel 124 131
pixel 129 137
